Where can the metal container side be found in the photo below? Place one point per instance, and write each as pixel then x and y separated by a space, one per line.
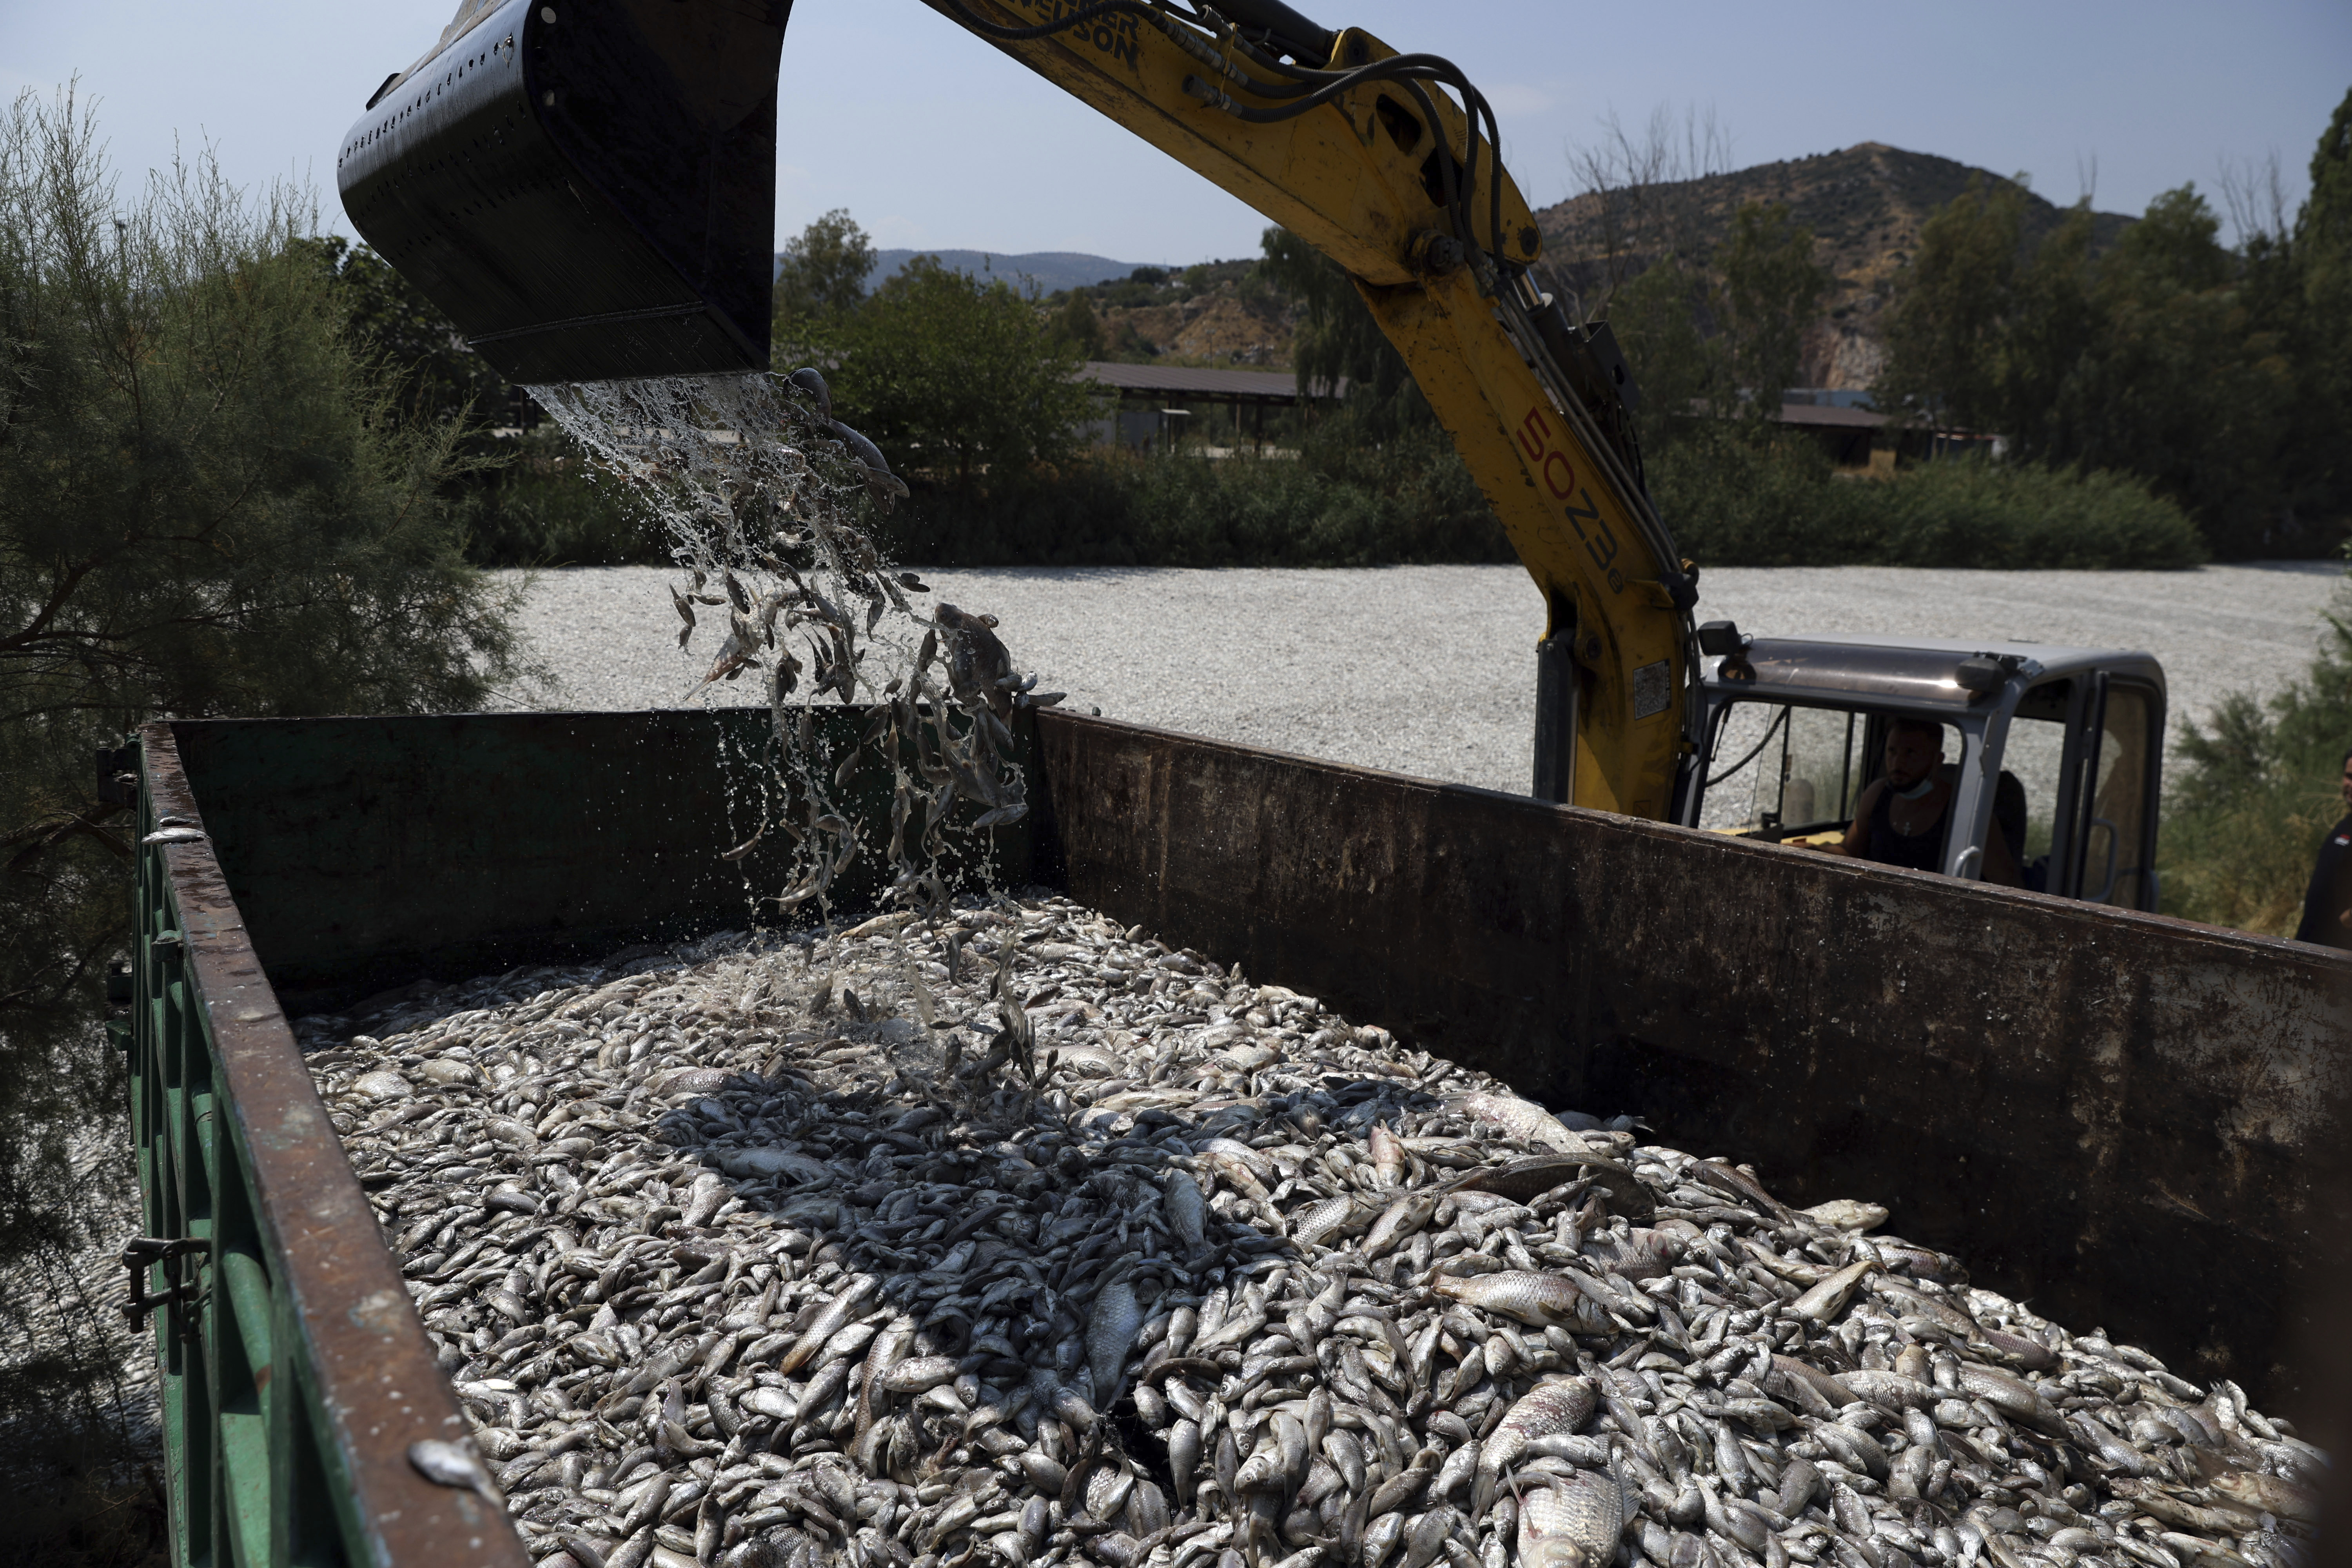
pixel 294 1373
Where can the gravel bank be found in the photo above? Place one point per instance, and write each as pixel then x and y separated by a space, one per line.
pixel 1430 670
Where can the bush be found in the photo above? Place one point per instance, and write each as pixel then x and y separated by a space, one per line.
pixel 2244 815
pixel 1735 502
pixel 1337 504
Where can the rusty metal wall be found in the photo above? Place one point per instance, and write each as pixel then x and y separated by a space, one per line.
pixel 368 853
pixel 299 1454
pixel 2121 1118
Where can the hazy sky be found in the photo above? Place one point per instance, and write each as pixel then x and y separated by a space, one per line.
pixel 932 138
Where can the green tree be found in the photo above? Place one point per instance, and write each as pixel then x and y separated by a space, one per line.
pixel 207 507
pixel 1339 341
pixel 1944 332
pixel 1772 287
pixel 821 280
pixel 1728 338
pixel 948 373
pixel 410 345
pixel 2321 253
pixel 2177 380
pixel 1077 324
pixel 1662 319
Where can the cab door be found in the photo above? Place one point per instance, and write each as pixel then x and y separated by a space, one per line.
pixel 2112 858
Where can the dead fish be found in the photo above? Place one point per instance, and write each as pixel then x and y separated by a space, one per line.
pixel 1110 1328
pixel 1559 1405
pixel 935 1243
pixel 1524 1120
pixel 1540 1299
pixel 1572 1522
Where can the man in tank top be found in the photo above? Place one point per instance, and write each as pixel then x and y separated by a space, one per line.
pixel 1904 816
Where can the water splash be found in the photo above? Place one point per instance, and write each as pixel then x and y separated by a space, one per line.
pixel 764 496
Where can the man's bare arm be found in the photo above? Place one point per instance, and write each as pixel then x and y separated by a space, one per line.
pixel 1857 832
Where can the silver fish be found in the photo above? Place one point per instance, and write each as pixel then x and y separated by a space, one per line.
pixel 728 1267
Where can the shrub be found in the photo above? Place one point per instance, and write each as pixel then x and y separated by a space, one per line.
pixel 1339 503
pixel 547 507
pixel 1734 501
pixel 2244 815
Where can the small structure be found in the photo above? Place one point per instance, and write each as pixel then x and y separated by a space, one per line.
pixel 1848 435
pixel 1156 404
pixel 1859 438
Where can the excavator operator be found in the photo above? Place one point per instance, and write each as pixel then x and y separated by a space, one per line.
pixel 1903 816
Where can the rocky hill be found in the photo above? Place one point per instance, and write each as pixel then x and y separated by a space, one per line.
pixel 1865 206
pixel 1218 314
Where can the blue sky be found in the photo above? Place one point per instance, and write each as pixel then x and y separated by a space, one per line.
pixel 931 137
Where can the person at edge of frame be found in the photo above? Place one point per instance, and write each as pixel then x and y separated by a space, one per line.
pixel 2327 901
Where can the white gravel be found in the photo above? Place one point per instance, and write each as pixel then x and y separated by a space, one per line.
pixel 1430 670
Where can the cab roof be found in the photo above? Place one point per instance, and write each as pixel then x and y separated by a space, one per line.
pixel 1911 670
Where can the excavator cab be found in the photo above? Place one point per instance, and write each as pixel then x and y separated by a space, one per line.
pixel 585 187
pixel 2057 750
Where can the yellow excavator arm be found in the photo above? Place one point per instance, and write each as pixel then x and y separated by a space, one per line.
pixel 1375 158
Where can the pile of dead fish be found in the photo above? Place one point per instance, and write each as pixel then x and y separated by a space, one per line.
pixel 1021 1237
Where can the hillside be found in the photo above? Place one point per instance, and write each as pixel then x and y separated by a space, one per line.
pixel 1217 313
pixel 1864 206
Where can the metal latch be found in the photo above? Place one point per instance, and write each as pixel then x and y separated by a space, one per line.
pixel 141 1251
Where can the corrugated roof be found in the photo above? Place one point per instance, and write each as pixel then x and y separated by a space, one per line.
pixel 1174 382
pixel 1824 417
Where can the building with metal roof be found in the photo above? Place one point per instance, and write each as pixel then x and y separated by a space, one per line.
pixel 1155 404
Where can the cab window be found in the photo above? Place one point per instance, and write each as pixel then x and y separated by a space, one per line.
pixel 2116 830
pixel 1783 772
pixel 2034 756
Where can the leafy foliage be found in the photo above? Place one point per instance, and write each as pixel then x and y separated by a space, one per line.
pixel 1721 336
pixel 1339 342
pixel 1735 499
pixel 208 505
pixel 1341 502
pixel 2246 813
pixel 822 278
pixel 2217 375
pixel 526 496
pixel 954 376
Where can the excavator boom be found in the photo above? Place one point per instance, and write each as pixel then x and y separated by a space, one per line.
pixel 587 191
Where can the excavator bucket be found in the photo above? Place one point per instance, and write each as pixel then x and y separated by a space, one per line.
pixel 585 187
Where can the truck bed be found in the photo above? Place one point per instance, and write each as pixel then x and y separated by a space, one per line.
pixel 2126 1119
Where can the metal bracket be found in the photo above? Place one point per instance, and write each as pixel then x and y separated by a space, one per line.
pixel 143 1251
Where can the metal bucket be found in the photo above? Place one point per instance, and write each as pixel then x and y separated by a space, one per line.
pixel 586 189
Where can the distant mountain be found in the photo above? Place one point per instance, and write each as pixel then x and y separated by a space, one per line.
pixel 1050 269
pixel 1864 206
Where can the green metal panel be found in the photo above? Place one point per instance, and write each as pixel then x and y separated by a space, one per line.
pixel 278 1454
